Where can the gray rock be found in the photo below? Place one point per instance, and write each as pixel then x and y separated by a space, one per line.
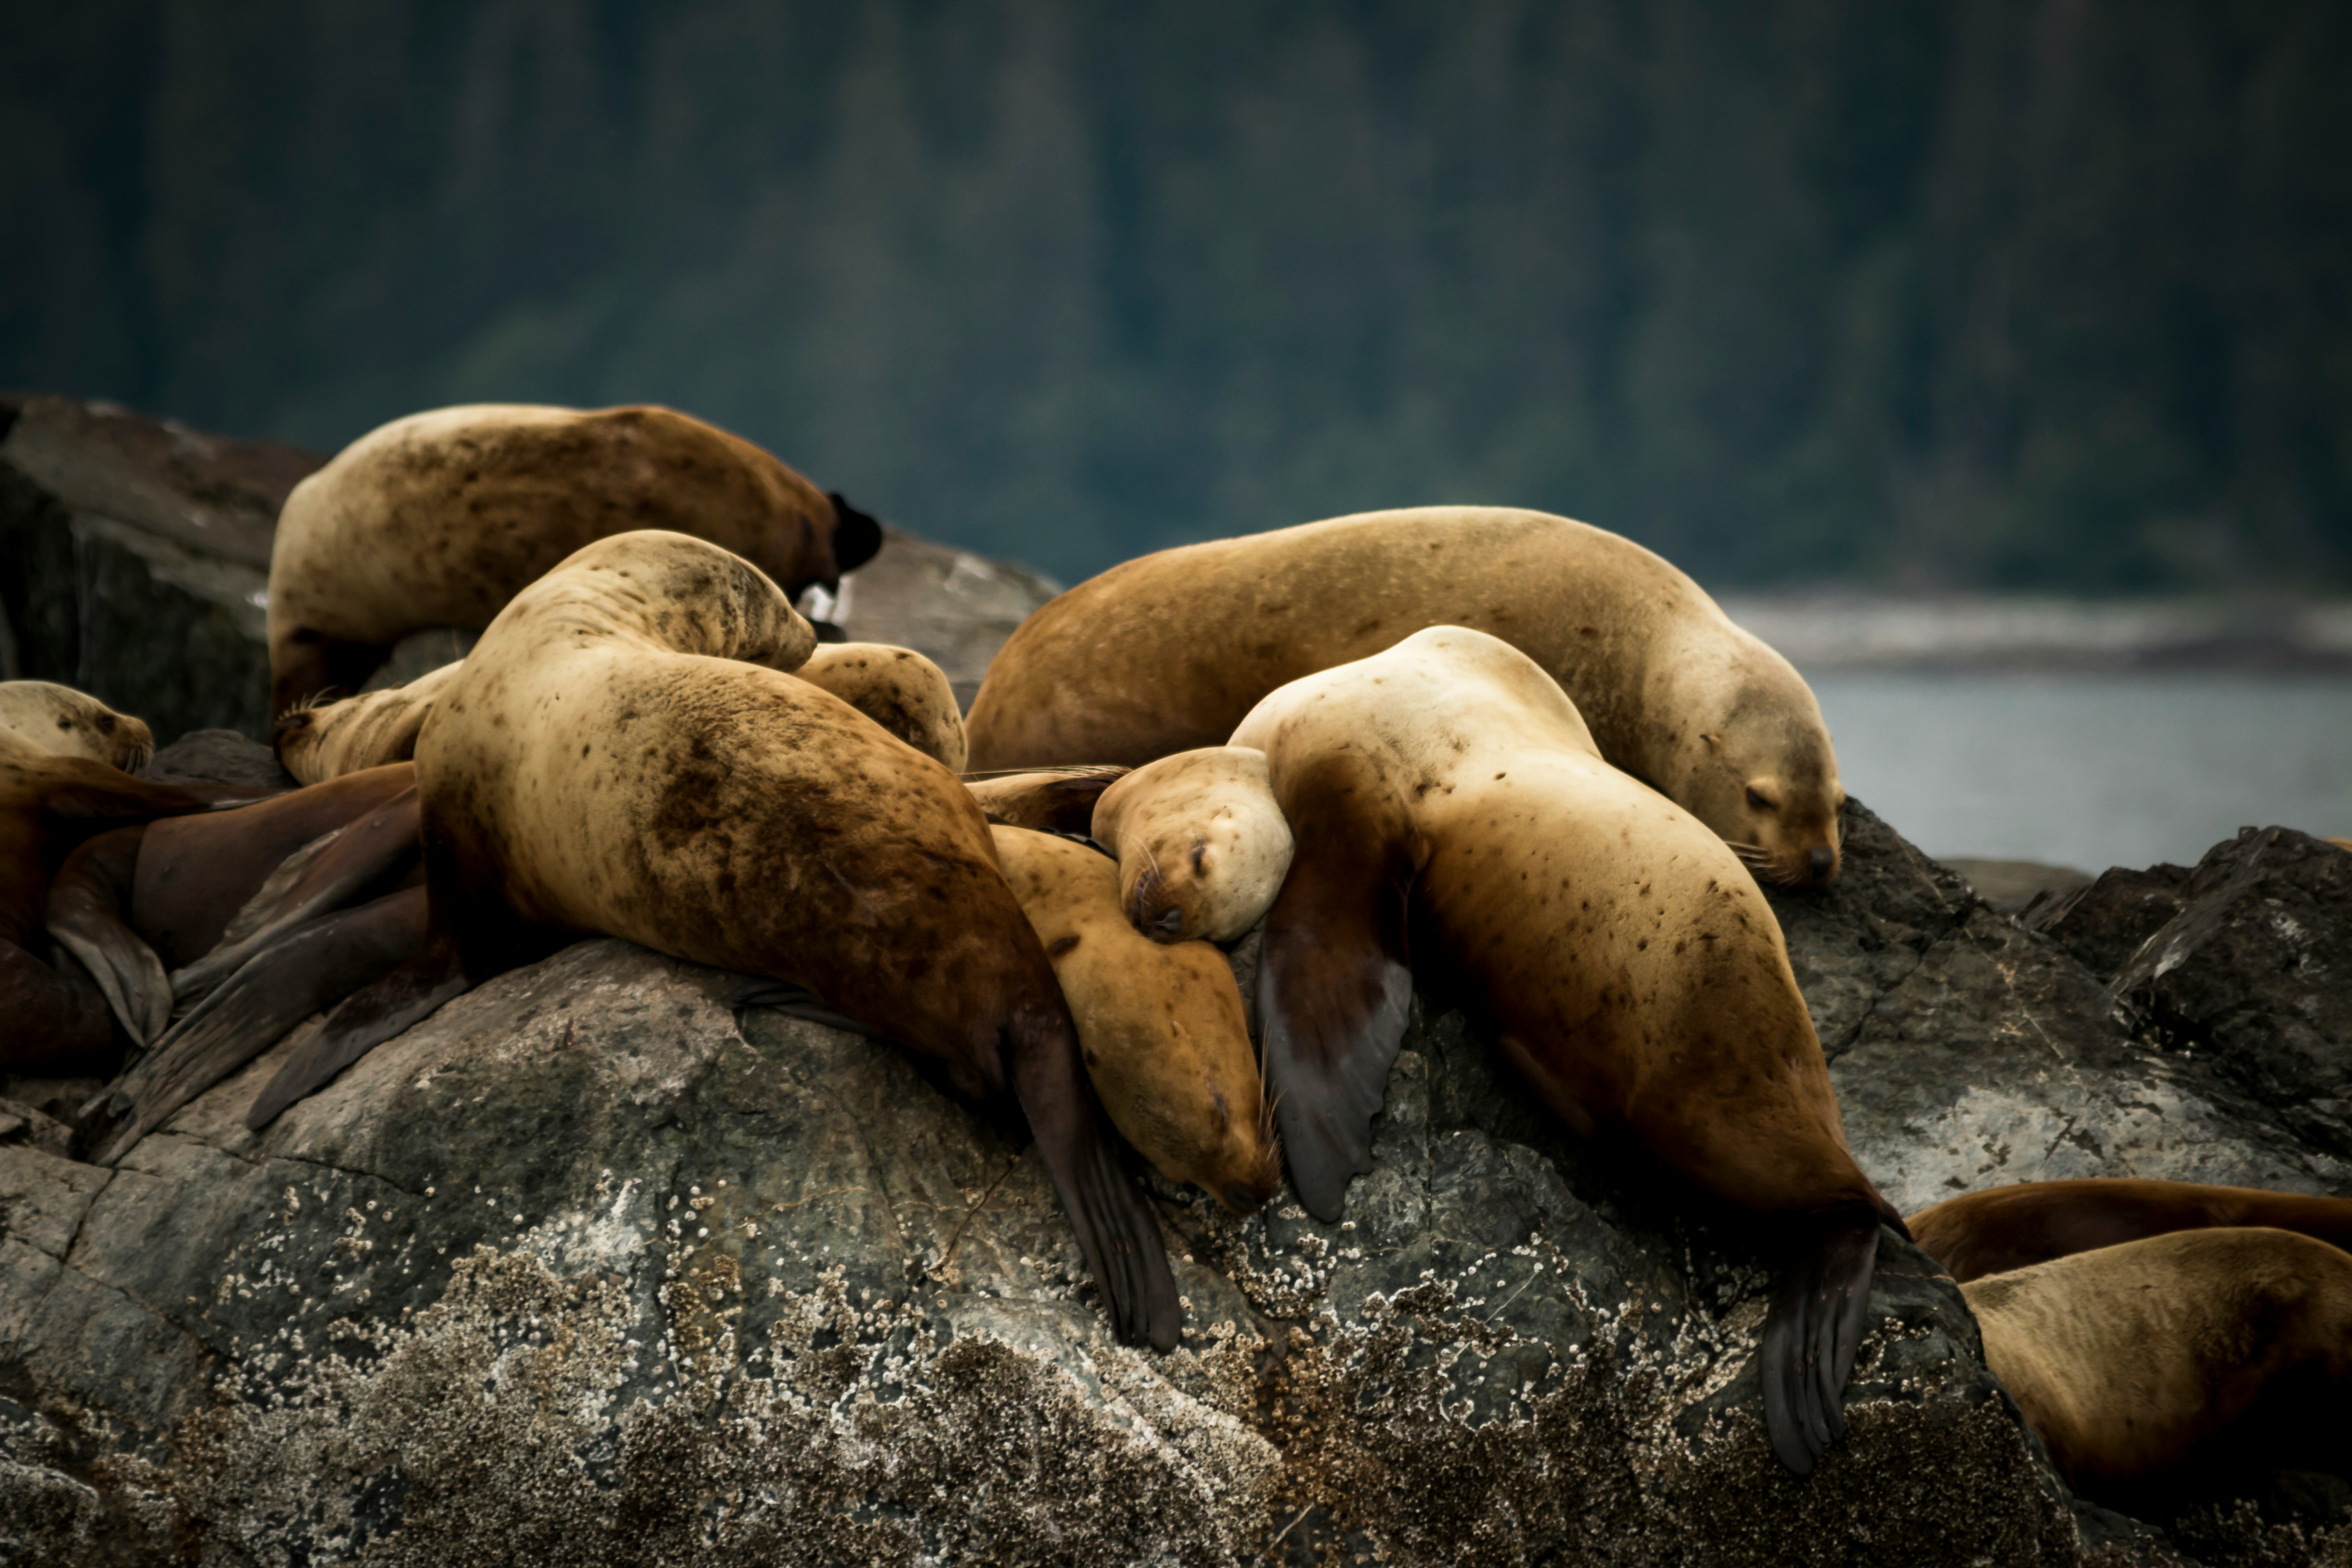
pixel 2104 923
pixel 954 608
pixel 2010 885
pixel 221 757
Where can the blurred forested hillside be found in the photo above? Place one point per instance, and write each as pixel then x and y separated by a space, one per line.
pixel 1993 293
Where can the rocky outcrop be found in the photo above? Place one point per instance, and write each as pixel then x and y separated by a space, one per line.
pixel 596 1266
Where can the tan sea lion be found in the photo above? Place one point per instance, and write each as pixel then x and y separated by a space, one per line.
pixel 1050 799
pixel 1165 1036
pixel 2002 1228
pixel 1169 651
pixel 624 753
pixel 897 688
pixel 342 735
pixel 1201 846
pixel 440 517
pixel 67 724
pixel 2150 1369
pixel 1625 959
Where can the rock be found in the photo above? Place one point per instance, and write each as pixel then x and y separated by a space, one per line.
pixel 134 560
pixel 954 608
pixel 2104 923
pixel 2010 886
pixel 221 757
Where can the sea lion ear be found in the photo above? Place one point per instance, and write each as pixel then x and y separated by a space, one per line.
pixel 856 536
pixel 1334 986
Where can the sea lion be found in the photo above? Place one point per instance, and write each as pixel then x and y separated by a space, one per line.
pixel 897 688
pixel 1165 1036
pixel 1050 799
pixel 1201 846
pixel 2002 1228
pixel 2153 1369
pixel 1625 959
pixel 1169 650
pixel 325 739
pixel 440 517
pixel 624 753
pixel 69 724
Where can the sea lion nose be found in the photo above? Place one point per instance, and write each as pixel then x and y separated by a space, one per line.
pixel 1823 861
pixel 1171 921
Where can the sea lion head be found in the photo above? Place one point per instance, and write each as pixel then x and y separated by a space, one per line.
pixel 1201 846
pixel 298 736
pixel 1763 776
pixel 69 724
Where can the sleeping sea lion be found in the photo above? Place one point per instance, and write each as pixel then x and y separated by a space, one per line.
pixel 1169 651
pixel 2002 1228
pixel 440 517
pixel 325 739
pixel 1201 846
pixel 64 722
pixel 1625 959
pixel 2155 1369
pixel 897 688
pixel 1164 1029
pixel 624 753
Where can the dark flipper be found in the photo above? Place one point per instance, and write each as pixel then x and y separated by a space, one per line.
pixel 367 1017
pixel 1812 1332
pixel 1050 799
pixel 321 876
pixel 1115 1226
pixel 1334 990
pixel 85 917
pixel 314 967
pixel 53 1021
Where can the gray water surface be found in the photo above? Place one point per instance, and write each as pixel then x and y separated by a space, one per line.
pixel 2092 771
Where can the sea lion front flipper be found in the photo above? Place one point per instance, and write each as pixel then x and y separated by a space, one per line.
pixel 1047 800
pixel 315 966
pixel 85 917
pixel 317 879
pixel 367 1017
pixel 1334 989
pixel 1812 1332
pixel 1115 1226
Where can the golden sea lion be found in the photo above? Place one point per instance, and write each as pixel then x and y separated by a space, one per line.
pixel 1201 846
pixel 326 739
pixel 64 722
pixel 1165 1036
pixel 1169 651
pixel 897 688
pixel 2151 1368
pixel 2002 1228
pixel 1625 958
pixel 624 753
pixel 440 517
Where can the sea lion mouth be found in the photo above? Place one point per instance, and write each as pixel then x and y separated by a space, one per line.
pixel 1787 868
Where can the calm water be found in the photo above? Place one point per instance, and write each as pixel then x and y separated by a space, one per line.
pixel 2092 771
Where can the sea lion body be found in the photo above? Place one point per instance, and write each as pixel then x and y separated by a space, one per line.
pixel 440 517
pixel 2148 1367
pixel 349 734
pixel 1163 1026
pixel 1170 650
pixel 1626 960
pixel 64 722
pixel 2004 1228
pixel 1201 846
pixel 1050 799
pixel 623 752
pixel 897 688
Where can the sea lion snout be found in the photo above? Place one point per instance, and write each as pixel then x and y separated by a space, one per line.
pixel 1823 863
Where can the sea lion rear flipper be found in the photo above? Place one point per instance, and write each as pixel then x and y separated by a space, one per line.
pixel 1115 1226
pixel 367 1017
pixel 321 876
pixel 1334 990
pixel 1812 1332
pixel 313 967
pixel 85 917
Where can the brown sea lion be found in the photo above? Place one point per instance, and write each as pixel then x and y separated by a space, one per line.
pixel 1625 959
pixel 897 688
pixel 1165 1036
pixel 64 722
pixel 440 517
pixel 2152 1369
pixel 1050 799
pixel 616 758
pixel 2002 1228
pixel 1169 651
pixel 1202 847
pixel 343 735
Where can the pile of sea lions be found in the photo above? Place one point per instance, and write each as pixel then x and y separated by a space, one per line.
pixel 1508 758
